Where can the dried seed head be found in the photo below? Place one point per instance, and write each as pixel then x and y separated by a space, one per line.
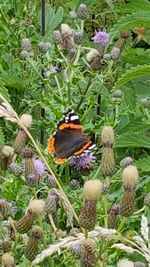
pixel 51 182
pixel 8 260
pixel 88 253
pixel 139 264
pixel 43 47
pixel 74 231
pixel 128 203
pixel 26 120
pixel 74 184
pixel 7 151
pixel 82 11
pixel 107 136
pixel 37 206
pixel 57 37
pixel 126 162
pixel 92 189
pixel 125 263
pixel 144 102
pixel 107 161
pixel 92 55
pixel 130 177
pixel 27 153
pixel 65 29
pixel 26 44
pixel 37 232
pixel 115 53
pixel 78 37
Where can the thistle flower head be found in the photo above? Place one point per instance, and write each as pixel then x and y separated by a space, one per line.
pixel 24 54
pixel 130 177
pixel 74 184
pixel 39 167
pixel 126 162
pixel 8 260
pixel 37 206
pixel 15 168
pixel 27 153
pixel 37 232
pixel 92 190
pixel 57 37
pixel 43 47
pixel 84 161
pixel 107 136
pixel 5 208
pixel 82 11
pixel 26 120
pixel 65 29
pixel 118 93
pixel 125 263
pixel 26 44
pixel 7 151
pixel 92 55
pixel 101 38
pixel 144 102
pixel 115 53
pixel 78 37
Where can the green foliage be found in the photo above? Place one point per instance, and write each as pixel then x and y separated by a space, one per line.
pixel 132 139
pixel 2 140
pixel 53 18
pixel 143 164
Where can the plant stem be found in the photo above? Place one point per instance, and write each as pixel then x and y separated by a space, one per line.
pixel 52 222
pixel 97 172
pixel 86 233
pixel 104 200
pixel 67 173
pixel 123 221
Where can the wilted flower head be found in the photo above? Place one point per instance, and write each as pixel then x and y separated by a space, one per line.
pixel 39 167
pixel 101 38
pixel 84 161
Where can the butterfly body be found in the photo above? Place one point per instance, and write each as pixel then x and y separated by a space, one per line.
pixel 69 139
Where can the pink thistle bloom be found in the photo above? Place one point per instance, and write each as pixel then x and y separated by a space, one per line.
pixel 84 161
pixel 101 37
pixel 39 167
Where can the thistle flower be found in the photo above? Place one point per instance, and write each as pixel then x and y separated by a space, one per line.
pixel 115 53
pixel 88 253
pixel 82 11
pixel 126 162
pixel 74 184
pixel 144 102
pixel 78 37
pixel 26 44
pixel 101 38
pixel 8 260
pixel 92 191
pixel 15 168
pixel 51 182
pixel 39 167
pixel 130 179
pixel 43 47
pixel 94 58
pixel 5 208
pixel 83 161
pixel 57 37
pixel 125 263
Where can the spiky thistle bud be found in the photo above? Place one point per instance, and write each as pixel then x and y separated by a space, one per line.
pixel 94 58
pixel 144 102
pixel 33 243
pixel 75 250
pixel 126 162
pixel 112 216
pixel 25 223
pixel 43 47
pixel 88 253
pixel 130 179
pixel 21 138
pixel 82 11
pixel 7 153
pixel 74 184
pixel 125 263
pixel 50 204
pixel 28 162
pixel 15 168
pixel 6 246
pixel 26 44
pixel 51 182
pixel 92 191
pixel 118 94
pixel 57 37
pixel 37 206
pixel 31 180
pixel 78 37
pixel 5 208
pixel 74 231
pixel 8 260
pixel 115 53
pixel 107 56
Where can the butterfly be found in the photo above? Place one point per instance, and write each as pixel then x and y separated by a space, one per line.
pixel 69 140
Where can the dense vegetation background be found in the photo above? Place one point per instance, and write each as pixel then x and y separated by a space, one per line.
pixel 42 73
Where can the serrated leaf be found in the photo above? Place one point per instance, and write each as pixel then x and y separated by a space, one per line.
pixel 133 73
pixel 143 164
pixel 131 139
pixel 138 56
pixel 135 6
pixel 135 125
pixel 131 21
pixel 53 19
pixel 2 140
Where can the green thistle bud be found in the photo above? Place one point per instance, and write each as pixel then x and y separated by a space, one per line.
pixel 43 47
pixel 31 180
pixel 57 37
pixel 78 37
pixel 26 44
pixel 25 223
pixel 88 253
pixel 50 204
pixel 15 168
pixel 144 102
pixel 118 94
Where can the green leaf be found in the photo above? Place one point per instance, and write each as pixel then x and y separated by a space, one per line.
pixel 53 19
pixel 133 73
pixel 135 6
pixel 131 139
pixel 138 56
pixel 135 125
pixel 2 140
pixel 143 164
pixel 4 91
pixel 131 21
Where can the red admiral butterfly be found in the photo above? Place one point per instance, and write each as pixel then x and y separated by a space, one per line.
pixel 69 139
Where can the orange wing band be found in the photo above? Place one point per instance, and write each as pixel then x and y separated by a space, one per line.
pixel 51 148
pixel 71 126
pixel 60 161
pixel 83 148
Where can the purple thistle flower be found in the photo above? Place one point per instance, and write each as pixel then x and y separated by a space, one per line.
pixel 101 37
pixel 84 161
pixel 39 167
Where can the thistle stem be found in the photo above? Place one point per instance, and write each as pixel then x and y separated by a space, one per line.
pixel 52 222
pixel 104 200
pixel 122 223
pixel 86 233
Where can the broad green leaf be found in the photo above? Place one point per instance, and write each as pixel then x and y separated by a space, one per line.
pixel 135 125
pixel 53 19
pixel 135 6
pixel 133 73
pixel 138 56
pixel 132 139
pixel 143 164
